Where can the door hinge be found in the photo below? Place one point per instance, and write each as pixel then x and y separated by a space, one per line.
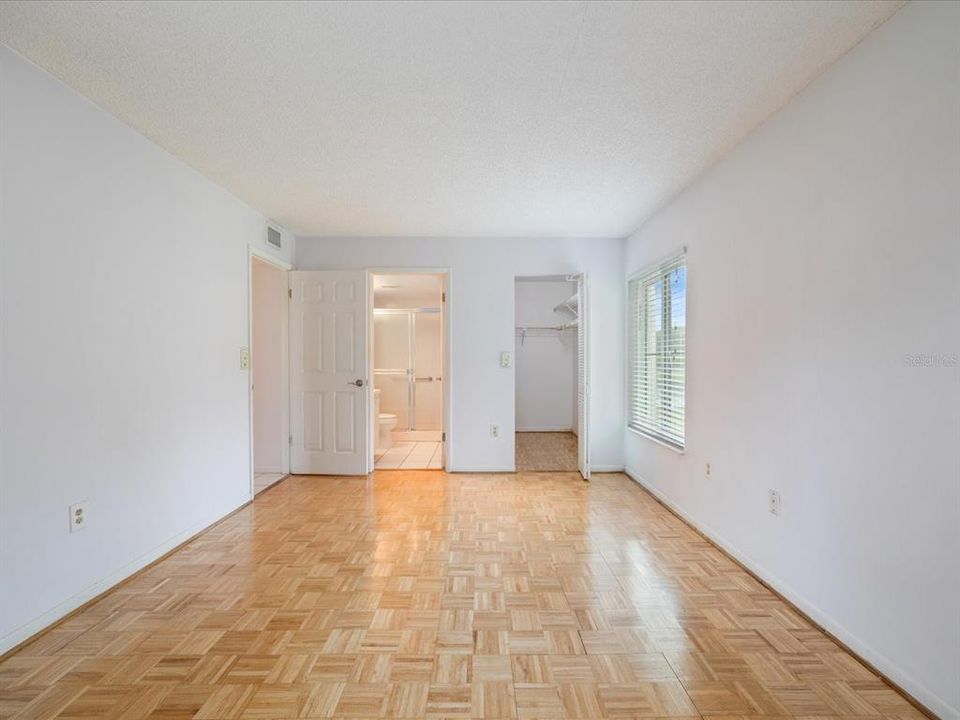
pixel 443 297
pixel 290 293
pixel 290 439
pixel 443 437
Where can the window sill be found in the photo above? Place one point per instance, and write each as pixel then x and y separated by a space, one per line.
pixel 658 441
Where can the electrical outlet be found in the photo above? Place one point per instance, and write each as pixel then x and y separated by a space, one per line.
pixel 244 358
pixel 707 469
pixel 495 431
pixel 774 502
pixel 506 359
pixel 78 517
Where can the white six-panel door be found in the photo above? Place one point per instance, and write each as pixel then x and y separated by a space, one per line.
pixel 328 372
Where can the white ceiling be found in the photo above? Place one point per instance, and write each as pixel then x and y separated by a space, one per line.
pixel 445 119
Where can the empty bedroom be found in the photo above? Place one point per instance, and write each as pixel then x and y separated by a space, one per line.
pixel 530 360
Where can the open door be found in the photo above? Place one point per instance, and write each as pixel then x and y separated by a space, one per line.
pixel 328 372
pixel 583 381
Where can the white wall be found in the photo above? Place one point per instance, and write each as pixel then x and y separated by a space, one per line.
pixel 268 345
pixel 481 301
pixel 123 305
pixel 546 377
pixel 823 253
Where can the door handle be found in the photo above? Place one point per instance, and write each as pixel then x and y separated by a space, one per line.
pixel 425 379
pixel 359 382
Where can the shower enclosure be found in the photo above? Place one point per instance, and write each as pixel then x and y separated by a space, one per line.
pixel 408 366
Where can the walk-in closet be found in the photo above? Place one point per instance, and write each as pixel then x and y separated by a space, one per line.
pixel 547 323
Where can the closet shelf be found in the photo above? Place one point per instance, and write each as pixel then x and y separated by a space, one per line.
pixel 571 306
pixel 556 331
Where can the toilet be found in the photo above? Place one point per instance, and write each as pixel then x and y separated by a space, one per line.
pixel 386 422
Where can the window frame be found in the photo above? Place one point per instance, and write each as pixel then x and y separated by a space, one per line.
pixel 649 274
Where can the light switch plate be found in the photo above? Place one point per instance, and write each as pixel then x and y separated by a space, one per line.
pixel 244 358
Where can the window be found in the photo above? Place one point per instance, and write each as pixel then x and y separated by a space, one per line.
pixel 657 351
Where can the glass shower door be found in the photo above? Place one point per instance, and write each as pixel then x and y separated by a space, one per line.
pixel 428 371
pixel 408 367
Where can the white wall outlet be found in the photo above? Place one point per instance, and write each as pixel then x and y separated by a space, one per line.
pixel 506 359
pixel 244 358
pixel 774 502
pixel 495 431
pixel 78 517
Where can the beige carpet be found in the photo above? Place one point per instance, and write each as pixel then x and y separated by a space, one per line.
pixel 546 451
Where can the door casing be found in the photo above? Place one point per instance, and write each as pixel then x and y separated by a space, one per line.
pixel 583 377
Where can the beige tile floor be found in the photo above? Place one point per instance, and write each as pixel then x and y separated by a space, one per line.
pixel 411 456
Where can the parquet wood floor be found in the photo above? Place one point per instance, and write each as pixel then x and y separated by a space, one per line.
pixel 423 595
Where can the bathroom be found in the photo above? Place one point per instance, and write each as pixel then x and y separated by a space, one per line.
pixel 408 370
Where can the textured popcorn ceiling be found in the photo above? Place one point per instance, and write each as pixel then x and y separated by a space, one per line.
pixel 444 119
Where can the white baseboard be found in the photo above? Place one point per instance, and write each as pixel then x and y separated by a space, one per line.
pixel 883 664
pixel 606 468
pixel 483 469
pixel 48 618
pixel 545 428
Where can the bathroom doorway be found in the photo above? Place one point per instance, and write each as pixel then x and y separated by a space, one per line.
pixel 409 376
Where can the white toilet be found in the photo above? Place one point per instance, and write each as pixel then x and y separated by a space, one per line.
pixel 386 422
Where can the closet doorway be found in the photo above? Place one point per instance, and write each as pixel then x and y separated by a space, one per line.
pixel 408 370
pixel 550 362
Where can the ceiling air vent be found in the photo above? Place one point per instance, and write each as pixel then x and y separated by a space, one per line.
pixel 273 238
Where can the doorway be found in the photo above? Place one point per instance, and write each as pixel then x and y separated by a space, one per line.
pixel 408 370
pixel 268 373
pixel 550 381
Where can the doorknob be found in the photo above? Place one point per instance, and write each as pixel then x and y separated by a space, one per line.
pixel 358 382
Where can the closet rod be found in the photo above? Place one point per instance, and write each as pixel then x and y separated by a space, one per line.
pixel 565 326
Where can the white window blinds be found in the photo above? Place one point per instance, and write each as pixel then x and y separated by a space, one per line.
pixel 657 351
